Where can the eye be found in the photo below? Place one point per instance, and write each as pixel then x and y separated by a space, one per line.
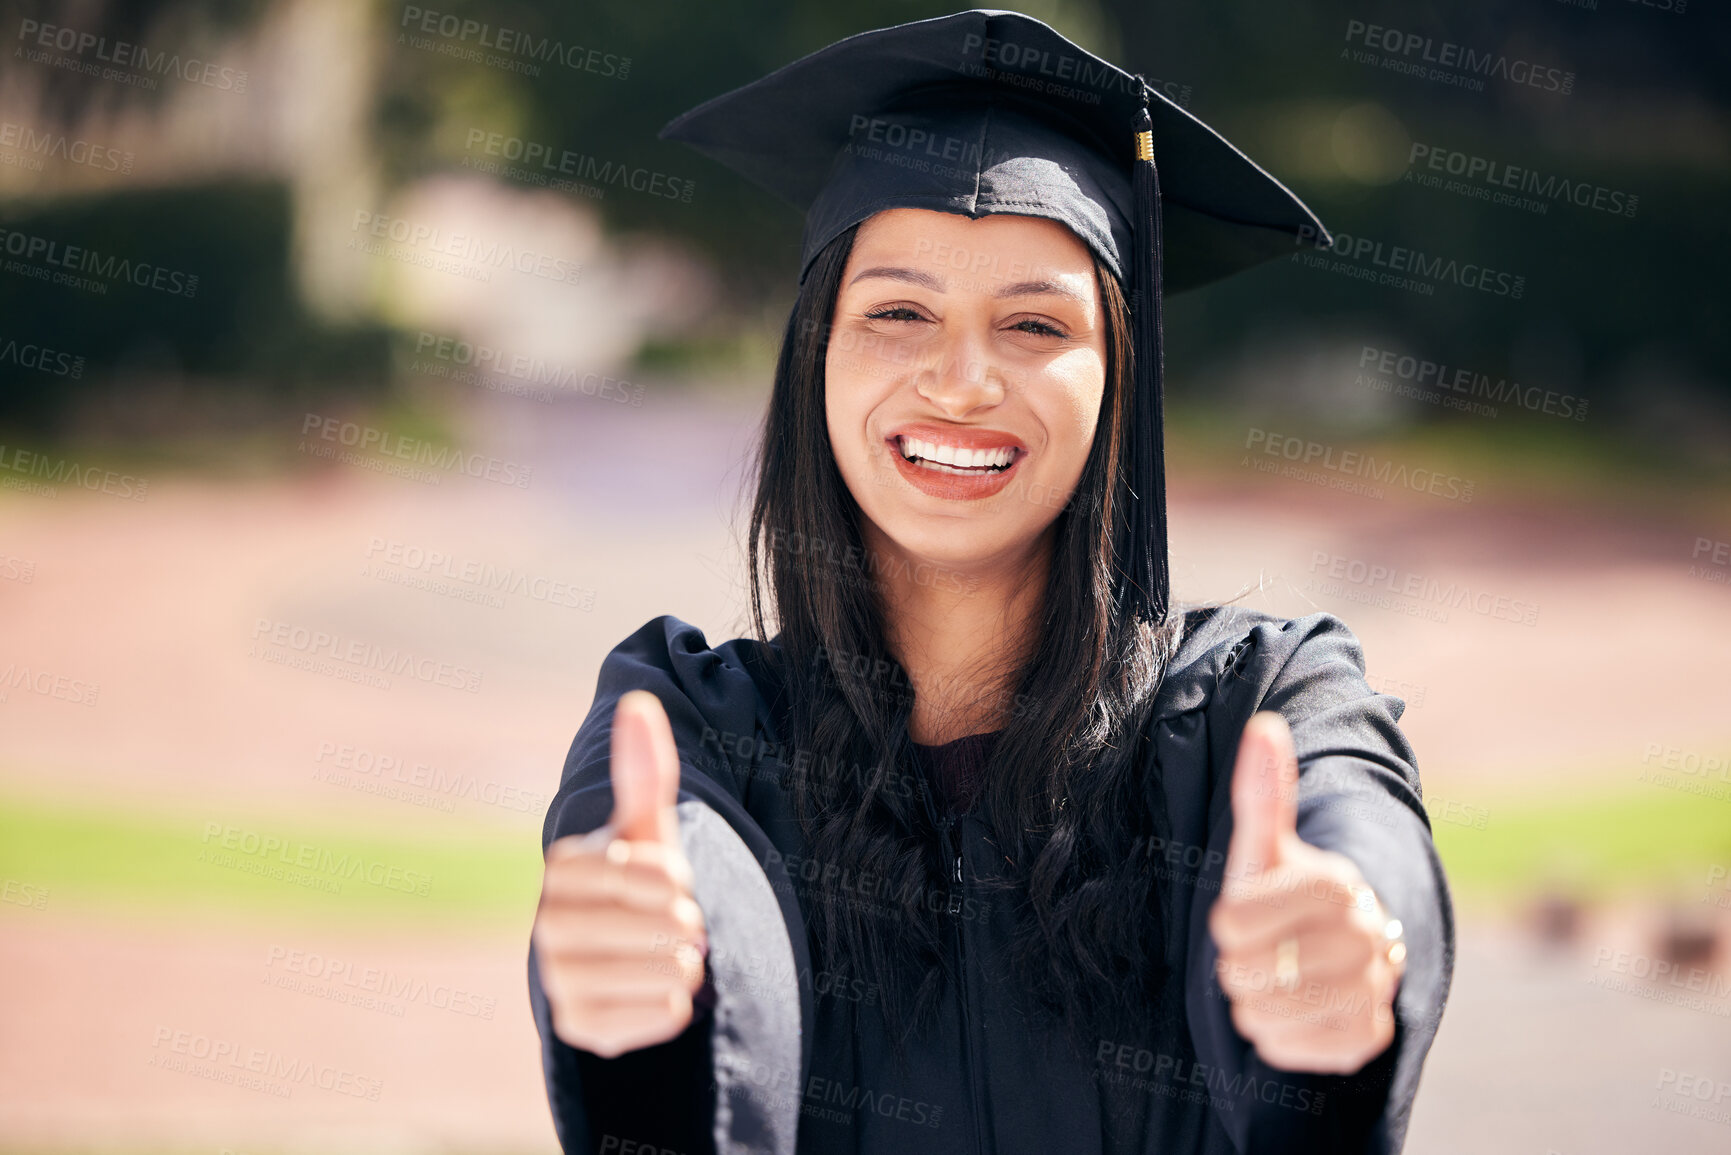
pixel 890 314
pixel 1039 328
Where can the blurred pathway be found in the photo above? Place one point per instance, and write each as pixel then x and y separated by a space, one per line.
pixel 173 607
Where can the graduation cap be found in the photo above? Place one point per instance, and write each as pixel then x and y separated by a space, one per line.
pixel 991 111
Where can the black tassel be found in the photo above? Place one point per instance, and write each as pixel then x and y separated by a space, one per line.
pixel 1146 589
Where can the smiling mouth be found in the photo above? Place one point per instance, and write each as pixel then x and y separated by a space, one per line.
pixel 941 458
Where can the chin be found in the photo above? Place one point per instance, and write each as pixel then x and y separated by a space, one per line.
pixel 948 542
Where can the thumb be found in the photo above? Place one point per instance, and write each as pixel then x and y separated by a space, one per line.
pixel 1264 795
pixel 645 765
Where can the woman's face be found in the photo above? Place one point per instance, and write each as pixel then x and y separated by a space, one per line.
pixel 977 349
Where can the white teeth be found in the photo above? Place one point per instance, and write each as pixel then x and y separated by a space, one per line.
pixel 936 453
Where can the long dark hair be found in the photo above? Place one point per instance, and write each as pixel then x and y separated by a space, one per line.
pixel 1067 796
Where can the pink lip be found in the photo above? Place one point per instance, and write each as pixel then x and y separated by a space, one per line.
pixel 953 486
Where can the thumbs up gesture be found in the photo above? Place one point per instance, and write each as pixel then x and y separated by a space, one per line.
pixel 619 941
pixel 1308 957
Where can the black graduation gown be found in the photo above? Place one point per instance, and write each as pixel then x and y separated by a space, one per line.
pixel 787 1060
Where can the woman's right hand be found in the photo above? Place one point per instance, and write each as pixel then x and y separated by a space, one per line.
pixel 619 940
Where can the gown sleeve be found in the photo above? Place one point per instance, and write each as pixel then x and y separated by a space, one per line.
pixel 730 1081
pixel 1359 795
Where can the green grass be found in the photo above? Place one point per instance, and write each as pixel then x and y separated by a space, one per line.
pixel 1645 840
pixel 1588 464
pixel 1639 841
pixel 118 858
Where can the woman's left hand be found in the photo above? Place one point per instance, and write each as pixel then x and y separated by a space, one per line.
pixel 1305 953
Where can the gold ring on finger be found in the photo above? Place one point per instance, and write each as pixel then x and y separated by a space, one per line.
pixel 690 959
pixel 1394 936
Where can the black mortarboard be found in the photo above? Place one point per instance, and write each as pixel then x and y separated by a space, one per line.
pixel 990 111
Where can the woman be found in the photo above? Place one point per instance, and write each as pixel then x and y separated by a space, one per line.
pixel 986 849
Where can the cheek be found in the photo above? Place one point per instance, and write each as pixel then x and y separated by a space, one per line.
pixel 847 404
pixel 1072 406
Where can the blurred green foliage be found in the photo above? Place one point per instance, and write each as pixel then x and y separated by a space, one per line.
pixel 243 321
pixel 1627 310
pixel 1622 309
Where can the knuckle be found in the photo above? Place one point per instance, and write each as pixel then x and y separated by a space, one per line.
pixel 570 1027
pixel 688 917
pixel 1229 938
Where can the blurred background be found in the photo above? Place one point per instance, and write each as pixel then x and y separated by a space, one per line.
pixel 369 370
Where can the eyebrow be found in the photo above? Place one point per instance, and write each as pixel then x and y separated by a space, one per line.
pixel 916 277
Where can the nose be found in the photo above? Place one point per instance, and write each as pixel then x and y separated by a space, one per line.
pixel 962 377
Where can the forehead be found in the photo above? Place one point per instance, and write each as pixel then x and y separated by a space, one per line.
pixel 994 246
